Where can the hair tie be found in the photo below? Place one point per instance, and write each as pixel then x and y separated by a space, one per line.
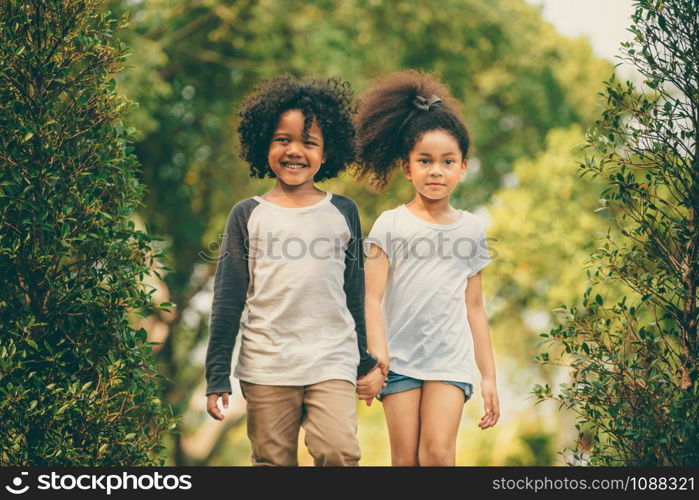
pixel 427 104
pixel 423 104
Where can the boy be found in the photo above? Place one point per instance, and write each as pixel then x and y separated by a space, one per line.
pixel 293 257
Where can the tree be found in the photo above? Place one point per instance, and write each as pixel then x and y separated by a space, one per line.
pixel 634 361
pixel 78 384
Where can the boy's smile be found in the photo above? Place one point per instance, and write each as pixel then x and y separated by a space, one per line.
pixel 295 158
pixel 294 166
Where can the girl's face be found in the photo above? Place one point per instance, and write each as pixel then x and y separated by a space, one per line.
pixel 295 159
pixel 435 164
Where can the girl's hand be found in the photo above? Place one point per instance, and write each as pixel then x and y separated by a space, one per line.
pixel 383 362
pixel 491 405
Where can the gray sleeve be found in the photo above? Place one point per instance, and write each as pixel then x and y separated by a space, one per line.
pixel 354 279
pixel 230 290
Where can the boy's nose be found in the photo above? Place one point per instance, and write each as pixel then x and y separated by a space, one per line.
pixel 293 150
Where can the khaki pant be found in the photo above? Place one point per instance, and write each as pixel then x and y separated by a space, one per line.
pixel 327 411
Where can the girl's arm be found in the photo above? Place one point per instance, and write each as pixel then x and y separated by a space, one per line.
pixel 376 274
pixel 478 321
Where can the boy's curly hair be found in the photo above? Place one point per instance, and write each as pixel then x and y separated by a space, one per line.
pixel 328 101
pixel 393 115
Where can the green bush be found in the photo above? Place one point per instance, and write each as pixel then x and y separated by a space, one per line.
pixel 635 361
pixel 77 383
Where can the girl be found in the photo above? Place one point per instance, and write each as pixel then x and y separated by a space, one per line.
pixel 424 303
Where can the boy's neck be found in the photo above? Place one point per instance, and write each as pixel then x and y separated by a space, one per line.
pixel 294 196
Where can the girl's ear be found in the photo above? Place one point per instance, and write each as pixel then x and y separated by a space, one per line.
pixel 405 165
pixel 464 165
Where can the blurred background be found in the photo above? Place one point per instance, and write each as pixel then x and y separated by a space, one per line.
pixel 528 74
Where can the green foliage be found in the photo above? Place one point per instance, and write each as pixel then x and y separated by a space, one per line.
pixel 543 227
pixel 635 361
pixel 546 217
pixel 77 383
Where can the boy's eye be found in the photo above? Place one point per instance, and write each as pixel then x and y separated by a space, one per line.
pixel 310 143
pixel 423 161
pixel 449 162
pixel 281 139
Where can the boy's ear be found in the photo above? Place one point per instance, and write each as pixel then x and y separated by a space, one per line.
pixel 464 165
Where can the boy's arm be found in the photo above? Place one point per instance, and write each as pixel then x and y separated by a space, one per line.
pixel 230 290
pixel 354 282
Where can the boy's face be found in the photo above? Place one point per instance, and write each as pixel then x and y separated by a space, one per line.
pixel 435 165
pixel 294 158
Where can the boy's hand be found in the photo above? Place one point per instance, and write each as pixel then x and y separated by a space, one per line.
pixel 491 405
pixel 212 404
pixel 370 385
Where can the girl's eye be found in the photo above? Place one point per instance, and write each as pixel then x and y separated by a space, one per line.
pixel 448 163
pixel 423 161
pixel 310 143
pixel 281 139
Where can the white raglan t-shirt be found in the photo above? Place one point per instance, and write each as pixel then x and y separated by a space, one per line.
pixel 289 287
pixel 429 337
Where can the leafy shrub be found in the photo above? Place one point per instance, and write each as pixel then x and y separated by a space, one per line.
pixel 77 383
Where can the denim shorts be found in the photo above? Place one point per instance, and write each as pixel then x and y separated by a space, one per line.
pixel 396 382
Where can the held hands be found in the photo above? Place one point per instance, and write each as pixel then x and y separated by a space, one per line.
pixel 212 405
pixel 491 405
pixel 371 384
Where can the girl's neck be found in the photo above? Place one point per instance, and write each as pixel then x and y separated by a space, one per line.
pixel 294 196
pixel 437 211
pixel 429 206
